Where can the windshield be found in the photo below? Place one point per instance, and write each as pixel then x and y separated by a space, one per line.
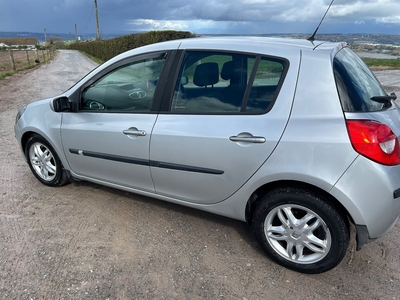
pixel 356 83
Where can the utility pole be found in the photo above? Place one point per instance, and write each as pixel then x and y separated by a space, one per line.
pixel 97 22
pixel 76 33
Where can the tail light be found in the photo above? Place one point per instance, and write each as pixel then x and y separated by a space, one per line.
pixel 375 141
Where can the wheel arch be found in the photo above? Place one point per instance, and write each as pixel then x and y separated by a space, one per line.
pixel 24 139
pixel 26 135
pixel 58 175
pixel 59 151
pixel 258 194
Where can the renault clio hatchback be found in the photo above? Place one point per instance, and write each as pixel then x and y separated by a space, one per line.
pixel 297 138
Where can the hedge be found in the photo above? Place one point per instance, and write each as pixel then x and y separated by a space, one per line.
pixel 104 50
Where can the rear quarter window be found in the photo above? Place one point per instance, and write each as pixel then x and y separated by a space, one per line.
pixel 356 84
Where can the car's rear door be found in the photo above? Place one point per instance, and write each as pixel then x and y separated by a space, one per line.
pixel 108 139
pixel 214 136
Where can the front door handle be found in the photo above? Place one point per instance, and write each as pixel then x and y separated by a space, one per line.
pixel 134 131
pixel 247 138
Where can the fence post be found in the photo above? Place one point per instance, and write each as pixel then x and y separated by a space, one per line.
pixel 10 52
pixel 27 57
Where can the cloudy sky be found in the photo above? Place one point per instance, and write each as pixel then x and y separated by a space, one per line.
pixel 201 16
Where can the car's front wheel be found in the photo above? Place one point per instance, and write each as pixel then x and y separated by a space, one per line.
pixel 44 162
pixel 300 230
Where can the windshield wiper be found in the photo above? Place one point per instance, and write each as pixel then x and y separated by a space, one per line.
pixel 384 99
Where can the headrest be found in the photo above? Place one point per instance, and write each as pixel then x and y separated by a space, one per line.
pixel 231 70
pixel 206 74
pixel 227 70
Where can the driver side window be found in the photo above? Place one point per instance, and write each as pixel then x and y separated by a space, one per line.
pixel 128 88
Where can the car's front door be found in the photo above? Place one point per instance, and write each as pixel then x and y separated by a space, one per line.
pixel 222 124
pixel 108 139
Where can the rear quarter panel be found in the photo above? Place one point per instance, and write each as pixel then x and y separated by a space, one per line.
pixel 315 146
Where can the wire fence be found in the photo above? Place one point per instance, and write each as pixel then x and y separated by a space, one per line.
pixel 14 60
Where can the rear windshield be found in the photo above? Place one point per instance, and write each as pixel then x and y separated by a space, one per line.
pixel 356 83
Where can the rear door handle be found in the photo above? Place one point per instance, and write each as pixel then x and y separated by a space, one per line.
pixel 134 131
pixel 248 139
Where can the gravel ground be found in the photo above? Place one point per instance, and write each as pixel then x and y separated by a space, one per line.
pixel 86 241
pixel 390 81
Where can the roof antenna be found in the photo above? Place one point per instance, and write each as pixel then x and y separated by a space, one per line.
pixel 312 38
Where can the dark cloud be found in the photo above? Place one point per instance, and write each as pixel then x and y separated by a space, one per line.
pixel 200 16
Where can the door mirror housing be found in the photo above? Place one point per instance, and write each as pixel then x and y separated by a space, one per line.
pixel 184 80
pixel 61 104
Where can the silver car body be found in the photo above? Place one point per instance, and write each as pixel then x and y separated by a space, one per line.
pixel 306 142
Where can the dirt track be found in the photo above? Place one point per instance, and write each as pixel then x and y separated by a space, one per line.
pixel 85 241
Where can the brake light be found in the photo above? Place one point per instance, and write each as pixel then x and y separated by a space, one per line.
pixel 375 141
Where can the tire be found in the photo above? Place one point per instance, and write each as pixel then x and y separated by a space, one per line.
pixel 301 231
pixel 44 162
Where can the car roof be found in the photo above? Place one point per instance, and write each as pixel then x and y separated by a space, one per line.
pixel 251 44
pixel 253 41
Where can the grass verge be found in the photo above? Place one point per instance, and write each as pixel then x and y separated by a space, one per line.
pixel 24 68
pixel 382 63
pixel 95 59
pixel 10 73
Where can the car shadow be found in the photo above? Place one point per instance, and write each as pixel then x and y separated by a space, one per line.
pixel 244 229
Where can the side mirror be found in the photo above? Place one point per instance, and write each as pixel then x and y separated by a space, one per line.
pixel 61 104
pixel 184 80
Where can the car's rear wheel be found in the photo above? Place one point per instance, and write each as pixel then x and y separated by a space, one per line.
pixel 301 230
pixel 44 162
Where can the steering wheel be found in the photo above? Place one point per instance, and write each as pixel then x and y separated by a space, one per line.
pixel 96 105
pixel 137 94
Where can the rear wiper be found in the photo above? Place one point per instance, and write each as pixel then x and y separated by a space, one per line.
pixel 384 99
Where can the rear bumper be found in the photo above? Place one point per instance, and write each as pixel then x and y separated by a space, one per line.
pixel 370 193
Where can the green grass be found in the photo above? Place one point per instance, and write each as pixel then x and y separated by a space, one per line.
pixel 10 73
pixel 382 63
pixel 5 74
pixel 95 59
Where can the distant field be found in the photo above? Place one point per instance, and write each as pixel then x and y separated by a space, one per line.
pixel 382 63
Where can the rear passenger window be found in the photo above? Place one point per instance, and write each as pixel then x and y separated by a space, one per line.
pixel 265 84
pixel 221 83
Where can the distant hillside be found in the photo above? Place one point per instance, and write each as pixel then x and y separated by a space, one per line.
pixel 63 36
pixel 386 39
pixel 385 44
pixel 382 39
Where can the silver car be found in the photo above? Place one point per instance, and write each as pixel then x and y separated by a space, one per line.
pixel 297 138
